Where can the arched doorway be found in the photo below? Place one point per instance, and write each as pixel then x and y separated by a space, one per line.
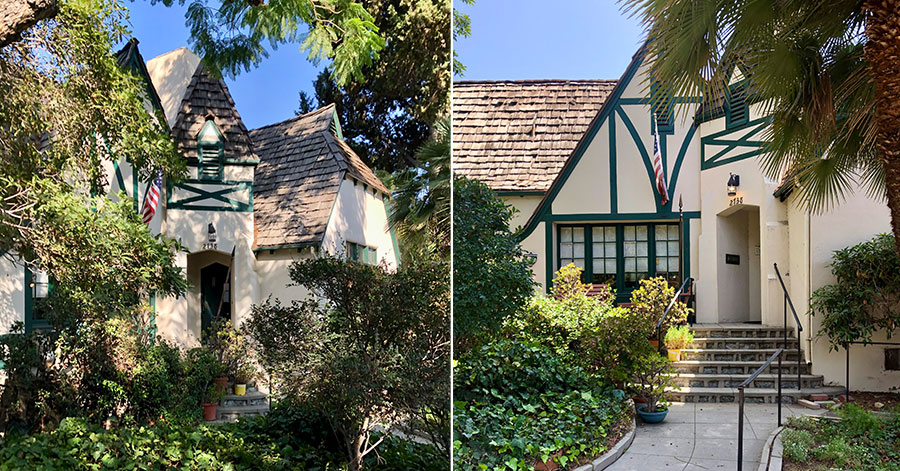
pixel 215 294
pixel 738 259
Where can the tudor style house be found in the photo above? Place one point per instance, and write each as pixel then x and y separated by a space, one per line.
pixel 254 202
pixel 575 157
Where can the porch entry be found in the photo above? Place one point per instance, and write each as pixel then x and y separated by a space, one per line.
pixel 621 255
pixel 215 291
pixel 738 260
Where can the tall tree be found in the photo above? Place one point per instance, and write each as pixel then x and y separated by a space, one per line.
pixel 421 204
pixel 828 73
pixel 386 117
pixel 67 111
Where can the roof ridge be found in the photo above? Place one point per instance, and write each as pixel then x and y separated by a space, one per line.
pixel 296 118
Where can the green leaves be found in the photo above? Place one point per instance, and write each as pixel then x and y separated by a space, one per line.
pixel 522 403
pixel 866 296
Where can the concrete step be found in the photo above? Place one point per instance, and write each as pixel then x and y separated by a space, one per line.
pixel 739 330
pixel 763 381
pixel 745 368
pixel 751 395
pixel 742 343
pixel 231 414
pixel 252 398
pixel 723 354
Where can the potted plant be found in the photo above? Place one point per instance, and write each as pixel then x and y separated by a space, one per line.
pixel 654 375
pixel 677 339
pixel 242 376
pixel 210 402
pixel 220 376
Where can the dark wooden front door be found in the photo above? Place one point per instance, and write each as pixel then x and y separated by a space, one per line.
pixel 214 289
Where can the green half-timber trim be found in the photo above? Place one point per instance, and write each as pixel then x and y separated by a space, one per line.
pixel 218 194
pixel 613 171
pixel 745 141
pixel 646 100
pixel 645 157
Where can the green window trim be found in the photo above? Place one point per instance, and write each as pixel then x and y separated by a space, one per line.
pixel 645 239
pixel 362 253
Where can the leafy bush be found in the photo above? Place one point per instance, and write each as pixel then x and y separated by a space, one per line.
pixel 653 376
pixel 291 437
pixel 649 302
pixel 837 451
pixel 866 295
pixel 373 350
pixel 858 421
pixel 518 403
pixel 679 338
pixel 859 441
pixel 492 278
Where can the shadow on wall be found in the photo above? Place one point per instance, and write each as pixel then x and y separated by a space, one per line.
pixel 12 294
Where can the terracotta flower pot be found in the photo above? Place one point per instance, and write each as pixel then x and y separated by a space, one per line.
pixel 221 383
pixel 655 343
pixel 209 411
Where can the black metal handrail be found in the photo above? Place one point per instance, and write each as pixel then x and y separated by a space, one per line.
pixel 788 302
pixel 669 308
pixel 740 444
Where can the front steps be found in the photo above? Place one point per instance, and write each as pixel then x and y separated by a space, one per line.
pixel 232 407
pixel 723 356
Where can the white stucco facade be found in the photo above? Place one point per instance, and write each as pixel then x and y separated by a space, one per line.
pixel 729 244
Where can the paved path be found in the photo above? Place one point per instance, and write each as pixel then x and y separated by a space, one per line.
pixel 703 437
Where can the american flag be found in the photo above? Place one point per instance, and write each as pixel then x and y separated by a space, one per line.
pixel 658 169
pixel 151 200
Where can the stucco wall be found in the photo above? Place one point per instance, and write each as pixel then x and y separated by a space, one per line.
pixel 12 292
pixel 360 216
pixel 856 220
pixel 525 206
pixel 274 275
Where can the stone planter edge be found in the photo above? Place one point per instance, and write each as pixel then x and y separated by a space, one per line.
pixel 772 451
pixel 614 453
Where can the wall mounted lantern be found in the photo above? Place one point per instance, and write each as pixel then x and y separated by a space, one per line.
pixel 211 230
pixel 734 181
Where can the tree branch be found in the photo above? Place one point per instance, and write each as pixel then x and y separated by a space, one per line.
pixel 18 15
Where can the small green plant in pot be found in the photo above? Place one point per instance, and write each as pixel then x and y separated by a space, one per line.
pixel 244 374
pixel 210 402
pixel 654 375
pixel 677 339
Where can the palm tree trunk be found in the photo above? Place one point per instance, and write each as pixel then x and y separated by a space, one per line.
pixel 883 55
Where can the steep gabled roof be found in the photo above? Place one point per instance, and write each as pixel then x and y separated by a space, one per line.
pixel 302 164
pixel 516 135
pixel 208 96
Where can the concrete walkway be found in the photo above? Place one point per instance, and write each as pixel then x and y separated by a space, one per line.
pixel 703 437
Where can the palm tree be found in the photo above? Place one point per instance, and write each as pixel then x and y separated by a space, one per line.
pixel 826 71
pixel 421 204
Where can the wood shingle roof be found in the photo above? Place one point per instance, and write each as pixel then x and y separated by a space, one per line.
pixel 302 165
pixel 516 135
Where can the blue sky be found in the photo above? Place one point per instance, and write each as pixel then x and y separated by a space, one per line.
pixel 266 94
pixel 560 39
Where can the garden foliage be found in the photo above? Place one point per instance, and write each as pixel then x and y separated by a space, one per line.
pixel 866 295
pixel 374 350
pixel 492 278
pixel 516 404
pixel 290 437
pixel 859 441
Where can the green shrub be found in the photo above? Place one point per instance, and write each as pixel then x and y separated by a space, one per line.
pixel 518 403
pixel 858 421
pixel 837 450
pixel 866 296
pixel 492 278
pixel 797 444
pixel 649 302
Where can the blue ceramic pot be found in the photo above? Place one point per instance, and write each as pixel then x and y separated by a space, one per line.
pixel 651 417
